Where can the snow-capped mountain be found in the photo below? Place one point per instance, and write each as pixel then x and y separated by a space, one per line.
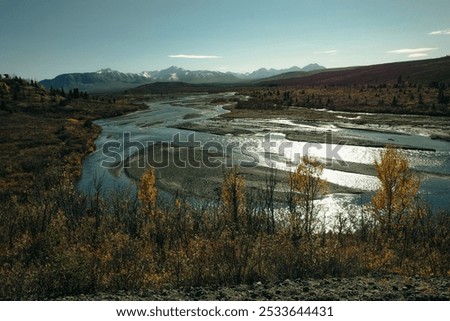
pixel 192 76
pixel 98 81
pixel 111 80
pixel 265 73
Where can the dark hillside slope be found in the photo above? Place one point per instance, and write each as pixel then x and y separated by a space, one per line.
pixel 178 87
pixel 420 72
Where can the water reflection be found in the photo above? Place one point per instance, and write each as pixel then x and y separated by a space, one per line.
pixel 157 124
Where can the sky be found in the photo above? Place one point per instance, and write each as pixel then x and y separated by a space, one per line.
pixel 43 38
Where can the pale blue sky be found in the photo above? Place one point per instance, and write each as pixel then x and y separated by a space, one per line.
pixel 43 38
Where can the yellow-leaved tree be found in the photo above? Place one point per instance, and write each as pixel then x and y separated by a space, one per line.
pixel 148 193
pixel 393 203
pixel 148 198
pixel 233 199
pixel 308 185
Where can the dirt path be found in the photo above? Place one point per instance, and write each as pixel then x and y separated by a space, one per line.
pixel 381 288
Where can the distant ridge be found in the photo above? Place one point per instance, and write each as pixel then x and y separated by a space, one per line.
pixel 266 73
pixel 418 71
pixel 100 81
pixel 105 80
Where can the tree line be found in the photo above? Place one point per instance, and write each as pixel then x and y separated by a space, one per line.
pixel 74 93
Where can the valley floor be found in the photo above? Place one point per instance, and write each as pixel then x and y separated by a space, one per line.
pixel 433 126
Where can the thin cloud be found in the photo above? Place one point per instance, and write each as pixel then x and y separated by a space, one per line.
pixel 194 57
pixel 328 52
pixel 418 55
pixel 439 32
pixel 412 51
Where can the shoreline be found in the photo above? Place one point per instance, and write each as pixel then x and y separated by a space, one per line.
pixel 299 136
pixel 318 127
pixel 175 177
pixel 436 128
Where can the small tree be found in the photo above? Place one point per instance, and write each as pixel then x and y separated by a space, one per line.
pixel 394 102
pixel 394 201
pixel 309 186
pixel 148 198
pixel 269 199
pixel 233 199
pixel 442 98
pixel 148 193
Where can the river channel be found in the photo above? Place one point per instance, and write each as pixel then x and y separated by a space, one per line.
pixel 262 143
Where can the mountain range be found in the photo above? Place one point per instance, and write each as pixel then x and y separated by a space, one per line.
pixel 111 80
pixel 266 73
pixel 434 72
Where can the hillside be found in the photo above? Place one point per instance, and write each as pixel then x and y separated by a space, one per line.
pixel 19 92
pixel 414 87
pixel 177 87
pixel 42 131
pixel 418 72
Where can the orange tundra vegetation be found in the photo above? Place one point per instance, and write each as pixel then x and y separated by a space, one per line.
pixel 60 242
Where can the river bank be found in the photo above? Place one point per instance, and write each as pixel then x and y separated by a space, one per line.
pixel 197 172
pixel 192 139
pixel 311 125
pixel 40 138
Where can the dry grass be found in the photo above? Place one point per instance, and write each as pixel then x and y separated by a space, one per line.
pixel 60 243
pixel 398 98
pixel 40 131
pixel 55 241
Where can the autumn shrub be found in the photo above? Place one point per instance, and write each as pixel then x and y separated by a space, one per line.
pixel 59 242
pixel 407 235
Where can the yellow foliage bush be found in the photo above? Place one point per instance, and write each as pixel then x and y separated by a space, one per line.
pixel 63 243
